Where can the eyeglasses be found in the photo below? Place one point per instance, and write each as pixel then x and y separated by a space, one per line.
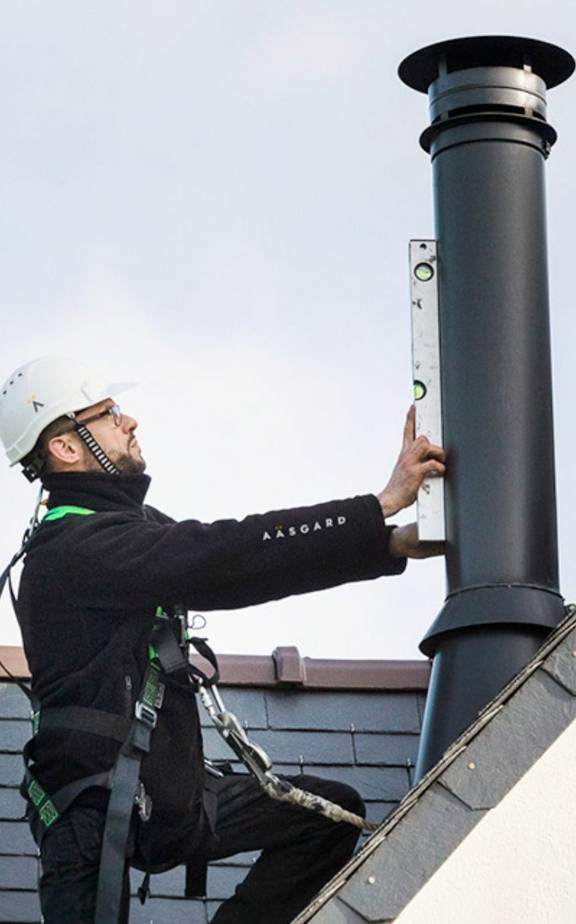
pixel 114 412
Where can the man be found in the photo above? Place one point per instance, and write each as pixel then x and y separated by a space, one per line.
pixel 101 573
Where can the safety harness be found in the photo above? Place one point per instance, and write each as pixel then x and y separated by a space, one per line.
pixel 167 656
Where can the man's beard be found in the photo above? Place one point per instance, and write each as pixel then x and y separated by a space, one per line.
pixel 124 462
pixel 129 465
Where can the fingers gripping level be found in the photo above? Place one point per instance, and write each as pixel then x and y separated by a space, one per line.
pixel 427 388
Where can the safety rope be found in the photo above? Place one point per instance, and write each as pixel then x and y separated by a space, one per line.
pixel 283 791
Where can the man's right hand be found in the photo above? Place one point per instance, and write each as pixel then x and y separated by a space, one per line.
pixel 418 458
pixel 404 543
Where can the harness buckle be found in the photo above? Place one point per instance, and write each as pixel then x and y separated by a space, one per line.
pixel 145 713
pixel 143 802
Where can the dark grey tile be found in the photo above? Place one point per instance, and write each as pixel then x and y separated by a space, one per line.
pixel 11 769
pixel 561 663
pixel 13 702
pixel 392 712
pixel 169 884
pixel 222 880
pixel 247 705
pixel 386 750
pixel 427 836
pixel 336 912
pixel 168 911
pixel 290 747
pixel 373 784
pixel 14 733
pixel 12 805
pixel 18 873
pixel 15 838
pixel 19 908
pixel 513 741
pixel 378 811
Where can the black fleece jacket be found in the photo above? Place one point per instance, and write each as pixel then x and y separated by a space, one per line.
pixel 91 585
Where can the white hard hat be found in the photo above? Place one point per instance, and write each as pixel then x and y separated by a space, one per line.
pixel 41 391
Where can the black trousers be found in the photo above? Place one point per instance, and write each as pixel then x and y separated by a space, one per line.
pixel 300 852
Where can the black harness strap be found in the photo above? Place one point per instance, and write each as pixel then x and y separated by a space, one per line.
pixel 124 783
pixel 44 810
pixel 124 787
pixel 172 658
pixel 81 718
pixel 168 651
pixel 203 648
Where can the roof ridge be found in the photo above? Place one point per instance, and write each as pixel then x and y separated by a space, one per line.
pixel 413 796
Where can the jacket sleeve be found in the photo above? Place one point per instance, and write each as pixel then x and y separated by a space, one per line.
pixel 229 563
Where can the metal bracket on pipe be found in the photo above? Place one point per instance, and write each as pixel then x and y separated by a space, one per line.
pixel 426 372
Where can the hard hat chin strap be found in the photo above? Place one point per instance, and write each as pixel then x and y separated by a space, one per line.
pixel 96 450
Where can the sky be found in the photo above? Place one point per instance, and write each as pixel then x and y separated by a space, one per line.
pixel 215 199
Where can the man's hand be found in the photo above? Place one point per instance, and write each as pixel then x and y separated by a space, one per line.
pixel 418 458
pixel 404 544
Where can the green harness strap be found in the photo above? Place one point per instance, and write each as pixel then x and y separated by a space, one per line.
pixel 56 513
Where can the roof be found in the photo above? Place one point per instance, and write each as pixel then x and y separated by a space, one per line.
pixel 471 780
pixel 355 721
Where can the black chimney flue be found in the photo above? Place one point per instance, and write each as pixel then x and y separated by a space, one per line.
pixel 488 141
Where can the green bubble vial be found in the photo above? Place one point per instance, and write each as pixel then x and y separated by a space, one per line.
pixel 424 272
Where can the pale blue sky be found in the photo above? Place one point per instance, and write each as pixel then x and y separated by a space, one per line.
pixel 215 199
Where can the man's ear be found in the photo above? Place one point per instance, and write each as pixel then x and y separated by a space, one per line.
pixel 65 448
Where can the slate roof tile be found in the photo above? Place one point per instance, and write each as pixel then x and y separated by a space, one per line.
pixel 373 783
pixel 14 735
pixel 248 705
pixel 11 769
pixel 18 873
pixel 11 805
pixel 286 746
pixel 409 861
pixel 15 839
pixel 392 750
pixel 562 664
pixel 168 911
pixel 222 880
pixel 13 703
pixel 20 908
pixel 381 712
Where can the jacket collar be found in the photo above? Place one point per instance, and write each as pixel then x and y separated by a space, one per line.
pixel 96 490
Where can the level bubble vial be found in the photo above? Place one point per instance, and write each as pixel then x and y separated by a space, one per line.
pixel 424 272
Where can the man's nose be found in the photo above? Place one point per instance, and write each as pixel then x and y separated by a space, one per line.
pixel 128 423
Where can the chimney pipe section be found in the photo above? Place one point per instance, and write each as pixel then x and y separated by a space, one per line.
pixel 488 141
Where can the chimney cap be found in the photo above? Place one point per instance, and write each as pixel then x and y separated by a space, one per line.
pixel 551 63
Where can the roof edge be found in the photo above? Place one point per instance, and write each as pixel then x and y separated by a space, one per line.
pixel 286 669
pixel 434 775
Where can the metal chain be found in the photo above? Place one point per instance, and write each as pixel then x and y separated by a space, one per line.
pixel 259 764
